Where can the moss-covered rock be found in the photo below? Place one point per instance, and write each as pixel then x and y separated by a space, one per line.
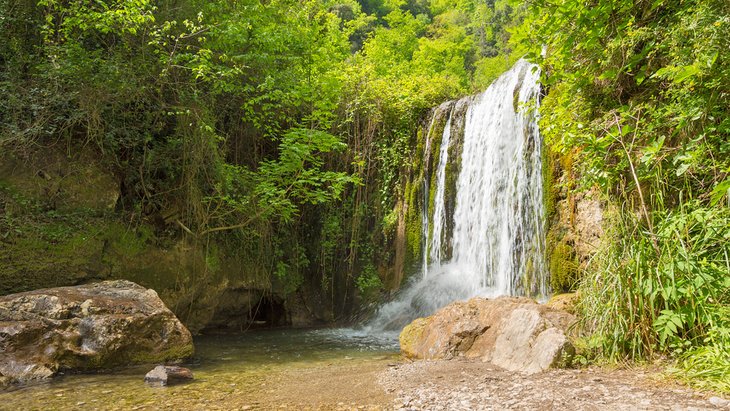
pixel 51 236
pixel 411 336
pixel 62 180
pixel 574 220
pixel 564 274
pixel 563 302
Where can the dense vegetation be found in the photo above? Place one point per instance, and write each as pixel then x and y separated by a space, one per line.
pixel 289 128
pixel 280 130
pixel 638 92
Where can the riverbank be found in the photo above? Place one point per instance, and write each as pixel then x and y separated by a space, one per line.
pixel 347 370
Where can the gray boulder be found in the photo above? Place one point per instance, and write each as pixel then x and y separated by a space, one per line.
pixel 87 328
pixel 168 375
pixel 514 333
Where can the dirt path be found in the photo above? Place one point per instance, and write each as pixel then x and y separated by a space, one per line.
pixel 462 385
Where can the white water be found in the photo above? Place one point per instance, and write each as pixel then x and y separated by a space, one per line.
pixel 439 211
pixel 498 222
pixel 498 230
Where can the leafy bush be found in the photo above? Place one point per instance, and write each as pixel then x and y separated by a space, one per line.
pixel 669 295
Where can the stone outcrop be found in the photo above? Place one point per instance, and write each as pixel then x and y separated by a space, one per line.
pixel 514 333
pixel 85 328
pixel 165 375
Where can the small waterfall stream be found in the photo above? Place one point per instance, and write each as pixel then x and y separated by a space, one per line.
pixel 439 213
pixel 492 242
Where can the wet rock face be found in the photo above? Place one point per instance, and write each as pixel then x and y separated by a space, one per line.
pixel 516 334
pixel 86 328
pixel 165 375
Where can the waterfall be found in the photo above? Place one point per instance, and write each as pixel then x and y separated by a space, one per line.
pixel 439 213
pixel 498 229
pixel 495 242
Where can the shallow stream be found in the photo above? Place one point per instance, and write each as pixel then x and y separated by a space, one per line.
pixel 231 372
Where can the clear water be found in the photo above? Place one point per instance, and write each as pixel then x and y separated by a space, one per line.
pixel 225 370
pixel 498 236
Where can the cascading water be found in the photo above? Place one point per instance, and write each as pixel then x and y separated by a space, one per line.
pixel 439 212
pixel 496 244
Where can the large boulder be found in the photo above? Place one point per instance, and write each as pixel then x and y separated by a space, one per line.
pixel 514 333
pixel 85 328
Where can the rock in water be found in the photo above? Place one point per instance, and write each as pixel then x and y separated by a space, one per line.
pixel 514 333
pixel 85 328
pixel 168 375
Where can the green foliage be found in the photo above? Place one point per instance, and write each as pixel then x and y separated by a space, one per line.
pixel 706 367
pixel 488 69
pixel 290 267
pixel 639 83
pixel 68 22
pixel 297 174
pixel 638 91
pixel 640 301
pixel 368 281
pixel 563 268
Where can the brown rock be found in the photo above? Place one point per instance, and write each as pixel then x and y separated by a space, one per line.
pixel 168 375
pixel 515 333
pixel 6 381
pixel 85 328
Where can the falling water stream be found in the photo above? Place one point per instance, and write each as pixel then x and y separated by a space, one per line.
pixel 439 213
pixel 496 246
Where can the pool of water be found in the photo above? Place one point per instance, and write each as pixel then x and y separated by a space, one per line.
pixel 225 367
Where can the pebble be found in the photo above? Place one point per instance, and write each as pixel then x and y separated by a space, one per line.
pixel 719 402
pixel 414 388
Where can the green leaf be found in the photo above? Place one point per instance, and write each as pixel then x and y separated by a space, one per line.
pixel 720 191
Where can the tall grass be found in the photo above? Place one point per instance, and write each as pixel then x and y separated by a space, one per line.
pixel 706 367
pixel 666 292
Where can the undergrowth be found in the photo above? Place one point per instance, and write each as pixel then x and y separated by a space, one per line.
pixel 666 294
